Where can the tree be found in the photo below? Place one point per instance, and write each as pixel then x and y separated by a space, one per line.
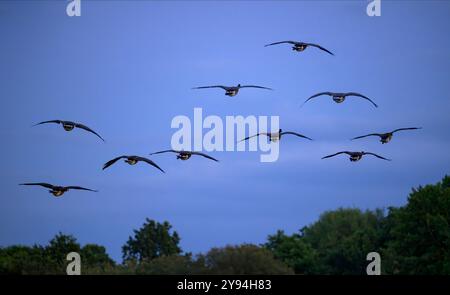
pixel 343 238
pixel 59 247
pixel 24 260
pixel 152 240
pixel 419 233
pixel 294 251
pixel 242 259
pixel 337 243
pixel 168 265
pixel 95 256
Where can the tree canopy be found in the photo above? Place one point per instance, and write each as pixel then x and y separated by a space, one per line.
pixel 152 240
pixel 412 239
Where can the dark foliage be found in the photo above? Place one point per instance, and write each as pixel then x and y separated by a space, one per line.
pixel 413 239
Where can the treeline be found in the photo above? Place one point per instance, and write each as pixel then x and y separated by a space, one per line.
pixel 413 239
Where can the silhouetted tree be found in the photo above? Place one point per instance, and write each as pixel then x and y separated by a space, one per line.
pixel 419 233
pixel 413 239
pixel 242 259
pixel 343 238
pixel 58 248
pixel 337 243
pixel 152 240
pixel 25 260
pixel 169 265
pixel 95 256
pixel 294 251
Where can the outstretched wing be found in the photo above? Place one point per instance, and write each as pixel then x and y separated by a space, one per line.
pixel 263 133
pixel 47 185
pixel 80 188
pixel 254 86
pixel 362 136
pixel 360 95
pixel 150 162
pixel 88 129
pixel 51 121
pixel 318 94
pixel 380 157
pixel 320 47
pixel 166 151
pixel 214 86
pixel 204 155
pixel 281 42
pixel 296 134
pixel 110 162
pixel 411 128
pixel 329 156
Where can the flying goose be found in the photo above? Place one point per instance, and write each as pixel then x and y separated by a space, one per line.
pixel 232 90
pixel 340 97
pixel 58 191
pixel 69 126
pixel 276 136
pixel 386 137
pixel 356 156
pixel 185 155
pixel 132 160
pixel 300 46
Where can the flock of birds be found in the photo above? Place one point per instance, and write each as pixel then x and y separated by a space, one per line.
pixel 231 91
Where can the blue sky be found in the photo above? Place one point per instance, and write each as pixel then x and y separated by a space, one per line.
pixel 126 68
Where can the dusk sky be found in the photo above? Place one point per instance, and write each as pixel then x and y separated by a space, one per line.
pixel 126 69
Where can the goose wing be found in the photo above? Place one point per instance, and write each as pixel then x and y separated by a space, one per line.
pixel 166 151
pixel 373 154
pixel 296 134
pixel 410 128
pixel 150 162
pixel 319 94
pixel 80 188
pixel 371 134
pixel 362 96
pixel 110 162
pixel 204 155
pixel 50 121
pixel 88 129
pixel 329 156
pixel 258 134
pixel 320 47
pixel 255 86
pixel 281 42
pixel 214 86
pixel 46 185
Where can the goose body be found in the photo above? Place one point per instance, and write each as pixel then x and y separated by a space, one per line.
pixel 69 126
pixel 276 136
pixel 58 191
pixel 232 90
pixel 132 160
pixel 339 97
pixel 386 137
pixel 300 46
pixel 356 156
pixel 186 155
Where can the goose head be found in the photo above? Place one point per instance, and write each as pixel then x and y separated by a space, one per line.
pixel 385 138
pixel 131 161
pixel 299 47
pixel 232 91
pixel 338 98
pixel 276 136
pixel 356 156
pixel 183 156
pixel 68 126
pixel 58 191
